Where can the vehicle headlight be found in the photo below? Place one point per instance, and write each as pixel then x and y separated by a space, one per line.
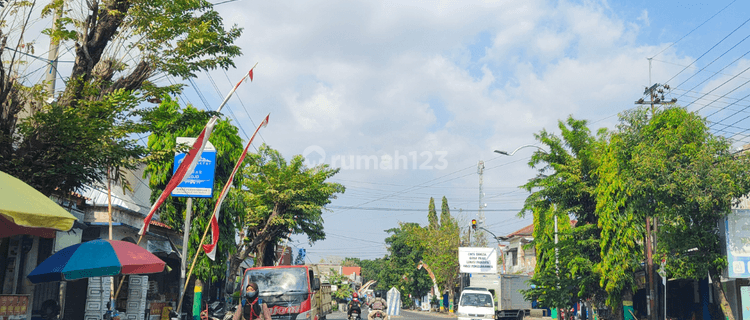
pixel 462 314
pixel 489 316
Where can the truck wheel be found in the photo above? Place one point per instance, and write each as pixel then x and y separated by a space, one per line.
pixel 520 316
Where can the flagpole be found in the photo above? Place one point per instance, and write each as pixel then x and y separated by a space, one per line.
pixel 224 192
pixel 250 74
pixel 192 265
pixel 153 209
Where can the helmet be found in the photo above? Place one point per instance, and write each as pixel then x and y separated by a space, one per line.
pixel 377 294
pixel 354 295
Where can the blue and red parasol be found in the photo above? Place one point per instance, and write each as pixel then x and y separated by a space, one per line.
pixel 96 258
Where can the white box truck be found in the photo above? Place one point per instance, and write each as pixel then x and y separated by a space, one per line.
pixel 506 288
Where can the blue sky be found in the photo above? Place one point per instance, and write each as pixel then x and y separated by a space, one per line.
pixel 393 79
pixel 438 85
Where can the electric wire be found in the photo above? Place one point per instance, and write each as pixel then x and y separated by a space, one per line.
pixel 710 63
pixel 709 50
pixel 691 31
pixel 244 108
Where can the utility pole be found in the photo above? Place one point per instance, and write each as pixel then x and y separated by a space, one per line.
pixel 656 97
pixel 54 45
pixel 479 237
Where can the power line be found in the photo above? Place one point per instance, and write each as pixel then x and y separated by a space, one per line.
pixel 712 90
pixel 210 78
pixel 691 31
pixel 200 95
pixel 709 50
pixel 243 107
pixel 710 63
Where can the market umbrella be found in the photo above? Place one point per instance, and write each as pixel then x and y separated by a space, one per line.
pixel 24 210
pixel 97 258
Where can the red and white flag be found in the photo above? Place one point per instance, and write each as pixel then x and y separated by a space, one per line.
pixel 184 170
pixel 191 159
pixel 211 248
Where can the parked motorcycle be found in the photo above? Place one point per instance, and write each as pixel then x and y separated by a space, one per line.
pixel 217 311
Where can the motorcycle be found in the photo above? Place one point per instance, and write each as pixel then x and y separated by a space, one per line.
pixel 378 314
pixel 216 311
pixel 356 311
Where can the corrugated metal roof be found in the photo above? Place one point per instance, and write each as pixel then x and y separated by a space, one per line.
pixel 136 201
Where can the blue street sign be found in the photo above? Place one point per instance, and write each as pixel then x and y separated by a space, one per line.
pixel 200 184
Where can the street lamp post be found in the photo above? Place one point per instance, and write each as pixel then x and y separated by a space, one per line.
pixel 498 244
pixel 557 250
pixel 519 148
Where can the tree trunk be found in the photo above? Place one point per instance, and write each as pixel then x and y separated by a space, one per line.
pixel 269 253
pixel 719 293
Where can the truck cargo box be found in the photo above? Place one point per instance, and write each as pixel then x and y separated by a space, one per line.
pixel 506 289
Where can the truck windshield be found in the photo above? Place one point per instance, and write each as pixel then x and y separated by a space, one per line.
pixel 476 300
pixel 278 280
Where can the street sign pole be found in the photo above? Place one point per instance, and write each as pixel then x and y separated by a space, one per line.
pixel 185 242
pixel 198 185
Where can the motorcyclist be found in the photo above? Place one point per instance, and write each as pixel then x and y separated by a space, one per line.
pixel 377 307
pixel 354 304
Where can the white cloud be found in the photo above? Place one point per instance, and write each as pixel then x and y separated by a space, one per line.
pixel 380 77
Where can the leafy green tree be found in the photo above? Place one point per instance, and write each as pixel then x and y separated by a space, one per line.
pixel 566 271
pixel 167 122
pixel 282 198
pixel 432 216
pixel 371 269
pixel 400 270
pixel 343 288
pixel 120 47
pixel 63 148
pixel 670 167
pixel 445 211
pixel 442 243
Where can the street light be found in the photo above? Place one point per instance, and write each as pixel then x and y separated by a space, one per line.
pixel 557 252
pixel 519 148
pixel 498 245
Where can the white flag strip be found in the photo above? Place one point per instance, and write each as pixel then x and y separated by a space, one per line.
pixel 191 159
pixel 211 248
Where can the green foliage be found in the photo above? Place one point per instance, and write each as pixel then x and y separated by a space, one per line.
pixel 441 241
pixel 120 46
pixel 400 268
pixel 669 166
pixel 371 270
pixel 182 37
pixel 63 148
pixel 167 122
pixel 445 211
pixel 284 198
pixel 663 165
pixel 565 187
pixel 432 216
pixel 343 290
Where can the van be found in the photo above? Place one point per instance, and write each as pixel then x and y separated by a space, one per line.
pixel 475 304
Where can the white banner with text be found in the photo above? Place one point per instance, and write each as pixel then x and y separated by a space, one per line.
pixel 477 260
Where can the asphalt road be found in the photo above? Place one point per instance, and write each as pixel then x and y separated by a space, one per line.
pixel 414 315
pixel 405 315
